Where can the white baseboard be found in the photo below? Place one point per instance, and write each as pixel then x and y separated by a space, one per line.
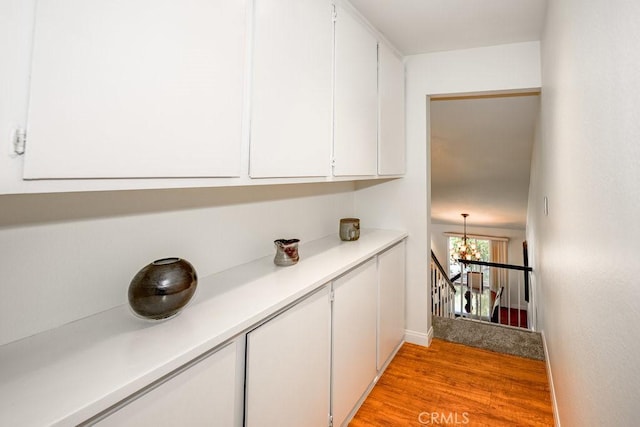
pixel 419 338
pixel 554 403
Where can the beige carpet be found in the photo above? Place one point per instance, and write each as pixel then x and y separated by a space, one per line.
pixel 502 339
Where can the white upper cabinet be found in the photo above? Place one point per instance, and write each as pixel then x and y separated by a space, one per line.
pixel 291 89
pixel 391 141
pixel 356 98
pixel 195 93
pixel 138 88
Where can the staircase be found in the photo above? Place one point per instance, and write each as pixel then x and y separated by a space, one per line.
pixel 467 295
pixel 489 336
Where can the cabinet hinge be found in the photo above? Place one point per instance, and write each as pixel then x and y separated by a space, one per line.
pixel 332 296
pixel 334 14
pixel 19 141
pixel 333 162
pixel 330 420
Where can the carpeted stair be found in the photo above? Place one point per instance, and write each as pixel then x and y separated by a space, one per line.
pixel 494 337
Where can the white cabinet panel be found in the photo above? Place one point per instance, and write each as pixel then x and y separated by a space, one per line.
pixel 291 88
pixel 202 395
pixel 356 98
pixel 391 142
pixel 136 88
pixel 354 338
pixel 288 367
pixel 391 304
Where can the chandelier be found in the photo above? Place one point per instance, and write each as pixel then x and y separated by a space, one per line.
pixel 464 250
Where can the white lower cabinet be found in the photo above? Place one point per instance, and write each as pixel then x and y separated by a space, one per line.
pixel 354 338
pixel 391 305
pixel 314 360
pixel 204 394
pixel 288 366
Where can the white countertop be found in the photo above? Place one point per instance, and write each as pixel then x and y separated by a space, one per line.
pixel 68 374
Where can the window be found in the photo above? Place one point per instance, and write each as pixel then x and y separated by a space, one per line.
pixel 482 245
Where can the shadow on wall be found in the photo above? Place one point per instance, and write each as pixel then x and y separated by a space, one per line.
pixel 31 209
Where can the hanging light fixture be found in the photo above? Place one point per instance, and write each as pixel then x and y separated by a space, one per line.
pixel 464 250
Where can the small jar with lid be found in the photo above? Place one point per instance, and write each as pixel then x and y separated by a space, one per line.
pixel 349 229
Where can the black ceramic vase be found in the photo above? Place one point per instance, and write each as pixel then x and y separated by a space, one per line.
pixel 162 288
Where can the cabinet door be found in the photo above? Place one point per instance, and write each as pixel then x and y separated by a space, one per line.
pixel 391 142
pixel 135 89
pixel 354 338
pixel 391 284
pixel 202 395
pixel 291 88
pixel 288 367
pixel 356 98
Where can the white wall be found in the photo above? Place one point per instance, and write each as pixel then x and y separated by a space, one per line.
pixel 440 246
pixel 66 256
pixel 586 162
pixel 404 204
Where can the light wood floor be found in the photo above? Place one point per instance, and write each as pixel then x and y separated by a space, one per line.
pixel 452 384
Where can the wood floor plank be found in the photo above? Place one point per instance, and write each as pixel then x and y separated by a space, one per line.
pixel 451 384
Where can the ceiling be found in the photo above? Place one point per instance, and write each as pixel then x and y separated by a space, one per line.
pixel 480 147
pixel 481 159
pixel 420 26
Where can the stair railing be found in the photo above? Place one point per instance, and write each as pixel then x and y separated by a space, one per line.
pixel 504 305
pixel 443 290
